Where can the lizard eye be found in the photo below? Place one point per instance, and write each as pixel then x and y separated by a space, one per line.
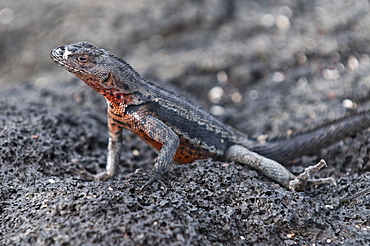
pixel 82 59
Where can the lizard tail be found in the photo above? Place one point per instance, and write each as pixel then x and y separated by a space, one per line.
pixel 310 141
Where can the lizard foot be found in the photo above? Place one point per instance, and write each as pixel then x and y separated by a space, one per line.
pixel 147 177
pixel 82 172
pixel 302 180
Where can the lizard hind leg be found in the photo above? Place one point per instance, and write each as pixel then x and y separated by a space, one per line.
pixel 275 170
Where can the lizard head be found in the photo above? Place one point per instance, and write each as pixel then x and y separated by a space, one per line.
pixel 96 67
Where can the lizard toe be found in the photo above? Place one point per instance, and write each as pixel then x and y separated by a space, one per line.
pixel 148 177
pixel 302 180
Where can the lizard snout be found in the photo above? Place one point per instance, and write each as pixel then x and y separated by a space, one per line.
pixel 57 53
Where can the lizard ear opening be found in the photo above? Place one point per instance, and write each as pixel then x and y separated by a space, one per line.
pixel 106 79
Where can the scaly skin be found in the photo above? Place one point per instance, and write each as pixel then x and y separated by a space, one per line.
pixel 182 131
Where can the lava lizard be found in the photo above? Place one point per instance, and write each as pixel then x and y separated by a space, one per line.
pixel 182 131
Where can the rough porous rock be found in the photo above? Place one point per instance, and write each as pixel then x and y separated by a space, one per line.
pixel 282 66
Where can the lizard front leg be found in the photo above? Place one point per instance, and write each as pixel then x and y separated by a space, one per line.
pixel 155 132
pixel 275 170
pixel 113 157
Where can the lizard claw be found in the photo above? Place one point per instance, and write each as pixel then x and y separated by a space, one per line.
pixel 155 178
pixel 89 176
pixel 82 172
pixel 149 177
pixel 302 180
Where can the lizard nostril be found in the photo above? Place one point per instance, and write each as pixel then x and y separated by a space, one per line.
pixel 59 50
